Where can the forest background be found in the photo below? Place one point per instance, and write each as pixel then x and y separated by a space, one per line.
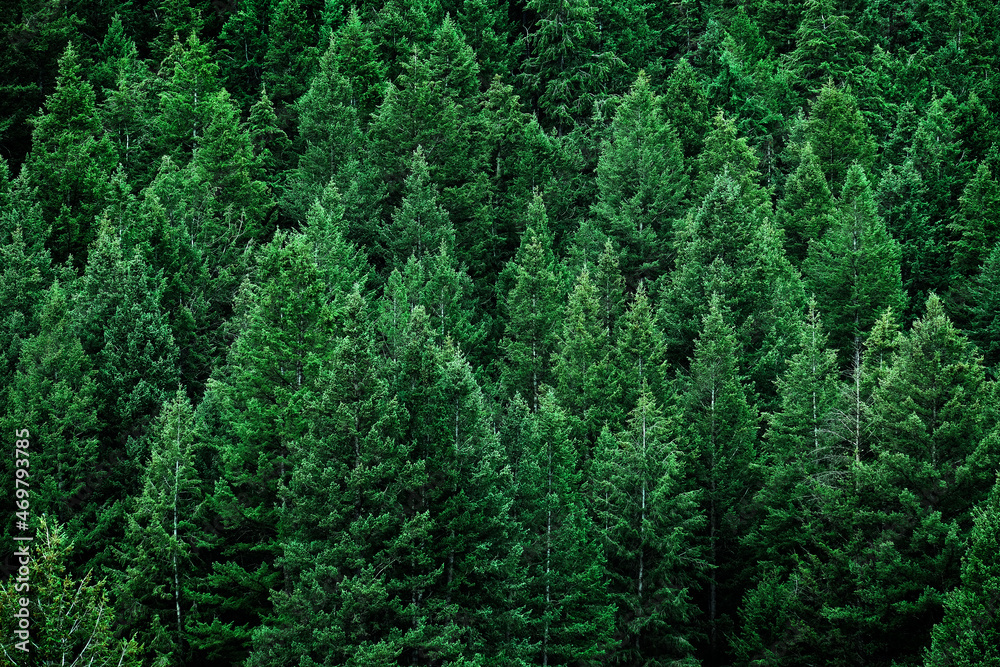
pixel 560 332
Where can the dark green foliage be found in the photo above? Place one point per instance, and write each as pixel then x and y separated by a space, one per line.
pixel 641 182
pixel 71 162
pixel 853 269
pixel 968 633
pixel 71 620
pixel 479 333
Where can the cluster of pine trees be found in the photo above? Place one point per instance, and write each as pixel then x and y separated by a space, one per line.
pixel 469 332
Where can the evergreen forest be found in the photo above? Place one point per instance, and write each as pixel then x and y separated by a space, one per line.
pixel 501 333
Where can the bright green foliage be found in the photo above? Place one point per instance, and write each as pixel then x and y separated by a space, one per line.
pixel 54 390
pixel 806 210
pixel 161 537
pixel 328 134
pixel 838 135
pixel 22 283
pixel 71 620
pixel 264 395
pixel 129 113
pixel 902 197
pixel 420 225
pixel 190 80
pixel 720 428
pixel 124 330
pixel 974 231
pixel 224 161
pixel 561 63
pixel 639 352
pixel 728 245
pixel 685 106
pixel 424 108
pixel 640 181
pixel 532 309
pixel 610 289
pixel 938 157
pixel 572 618
pixel 341 264
pixel 648 526
pixel 931 408
pixel 174 18
pixel 71 161
pixel 968 633
pixel 582 363
pixel 270 143
pixel 354 56
pixel 725 151
pixel 854 268
pixel 929 417
pixel 826 46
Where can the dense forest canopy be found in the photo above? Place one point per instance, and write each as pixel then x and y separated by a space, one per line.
pixel 502 333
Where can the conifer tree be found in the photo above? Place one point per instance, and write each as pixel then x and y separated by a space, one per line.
pixel 974 232
pixel 532 309
pixel 720 428
pixel 190 79
pixel 806 209
pixel 826 46
pixel 571 615
pixel 265 396
pixel 71 161
pixel 640 181
pixel 54 389
pixel 162 536
pixel 329 134
pixel 290 58
pixel 72 620
pixel 582 362
pixel 854 268
pixel 838 135
pixel 967 635
pixel 420 225
pixel 648 525
pixel 685 106
pixel 561 60
pixel 985 323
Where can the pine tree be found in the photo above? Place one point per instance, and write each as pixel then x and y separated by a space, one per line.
pixel 265 396
pixel 648 526
pixel 640 181
pixel 55 390
pixel 290 59
pixel 329 134
pixel 571 615
pixel 838 135
pixel 806 209
pixel 420 225
pixel 561 65
pixel 985 325
pixel 826 46
pixel 71 619
pixel 162 536
pixel 190 79
pixel 720 428
pixel 242 46
pixel 582 363
pixel 967 635
pixel 854 268
pixel 71 161
pixel 973 232
pixel 532 310
pixel 685 106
